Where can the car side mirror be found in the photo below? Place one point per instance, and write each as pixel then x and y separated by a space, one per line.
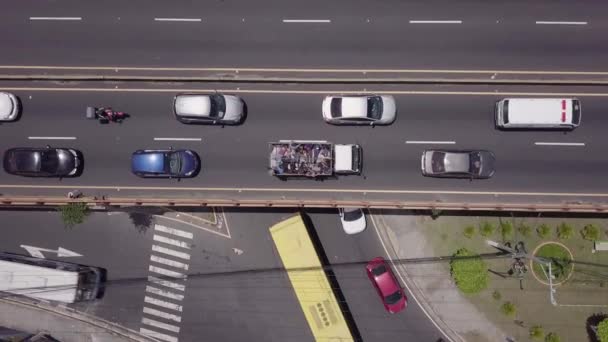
pixel 372 124
pixel 48 146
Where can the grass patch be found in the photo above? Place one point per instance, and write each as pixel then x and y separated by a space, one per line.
pixel 524 230
pixel 564 231
pixel 496 295
pixel 506 230
pixel 486 229
pixel 543 231
pixel 537 333
pixel 469 271
pixel 468 231
pixel 561 264
pixel 508 309
pixel 552 337
pixel 590 232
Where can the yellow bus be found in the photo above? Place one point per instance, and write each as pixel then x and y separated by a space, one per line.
pixel 309 281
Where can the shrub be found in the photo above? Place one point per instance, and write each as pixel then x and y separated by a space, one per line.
pixel 73 213
pixel 552 337
pixel 496 295
pixel 537 332
pixel 590 232
pixel 486 229
pixel 543 231
pixel 506 230
pixel 508 309
pixel 469 271
pixel 564 231
pixel 468 231
pixel 602 330
pixel 524 230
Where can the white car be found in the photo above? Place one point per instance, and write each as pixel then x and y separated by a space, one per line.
pixel 9 106
pixel 353 220
pixel 209 108
pixel 359 109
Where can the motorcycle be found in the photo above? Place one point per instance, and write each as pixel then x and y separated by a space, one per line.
pixel 105 114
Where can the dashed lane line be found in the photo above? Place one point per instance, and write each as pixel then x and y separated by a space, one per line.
pixel 165 272
pixel 163 293
pixel 173 231
pixel 179 19
pixel 171 242
pixel 56 18
pixel 561 23
pixel 167 283
pixel 158 335
pixel 169 262
pixel 163 304
pixel 157 324
pixel 168 251
pixel 162 314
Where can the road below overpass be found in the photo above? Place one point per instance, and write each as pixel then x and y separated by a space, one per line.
pixel 521 35
pixel 531 166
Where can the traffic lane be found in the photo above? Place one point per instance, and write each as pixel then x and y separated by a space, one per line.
pixel 348 255
pixel 235 297
pixel 347 42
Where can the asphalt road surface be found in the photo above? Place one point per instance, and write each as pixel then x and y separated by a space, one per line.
pixel 543 35
pixel 237 157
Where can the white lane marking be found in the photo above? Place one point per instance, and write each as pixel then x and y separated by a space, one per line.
pixel 172 242
pixel 403 280
pixel 435 21
pixel 540 143
pixel 430 142
pixel 160 249
pixel 306 21
pixel 561 23
pixel 52 138
pixel 167 283
pixel 178 139
pixel 163 304
pixel 165 315
pixel 179 19
pixel 164 293
pixel 173 231
pixel 57 18
pixel 166 272
pixel 197 226
pixel 158 324
pixel 168 262
pixel 158 335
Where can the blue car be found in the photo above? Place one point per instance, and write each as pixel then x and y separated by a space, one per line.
pixel 165 163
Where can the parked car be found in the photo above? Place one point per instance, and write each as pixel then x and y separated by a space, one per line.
pixel 385 282
pixel 359 109
pixel 353 220
pixel 9 106
pixel 165 163
pixel 209 109
pixel 42 162
pixel 458 164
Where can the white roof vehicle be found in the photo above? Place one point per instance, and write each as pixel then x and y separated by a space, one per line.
pixel 353 220
pixel 538 113
pixel 359 109
pixel 9 106
pixel 209 108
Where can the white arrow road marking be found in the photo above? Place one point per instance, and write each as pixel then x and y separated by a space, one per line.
pixel 61 252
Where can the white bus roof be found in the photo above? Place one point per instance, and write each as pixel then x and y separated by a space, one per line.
pixel 540 111
pixel 38 282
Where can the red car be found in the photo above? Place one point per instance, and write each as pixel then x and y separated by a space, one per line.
pixel 385 282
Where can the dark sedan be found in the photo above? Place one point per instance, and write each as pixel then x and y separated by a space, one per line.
pixel 42 162
pixel 458 164
pixel 165 163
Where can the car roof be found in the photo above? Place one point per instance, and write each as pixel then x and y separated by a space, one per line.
pixel 457 161
pixel 149 161
pixel 6 105
pixel 193 105
pixel 354 106
pixel 385 281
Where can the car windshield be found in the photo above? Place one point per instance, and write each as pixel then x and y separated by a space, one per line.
pixel 374 107
pixel 379 270
pixel 49 162
pixel 393 298
pixel 174 162
pixel 475 166
pixel 218 106
pixel 353 215
pixel 336 107
pixel 438 162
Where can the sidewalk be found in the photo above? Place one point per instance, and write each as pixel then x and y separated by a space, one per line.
pixel 63 324
pixel 431 283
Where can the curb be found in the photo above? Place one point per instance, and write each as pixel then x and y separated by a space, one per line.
pixel 68 313
pixel 415 291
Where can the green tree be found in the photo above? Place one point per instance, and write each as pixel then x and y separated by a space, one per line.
pixel 564 231
pixel 590 232
pixel 537 332
pixel 543 231
pixel 524 230
pixel 73 213
pixel 552 337
pixel 506 230
pixel 602 330
pixel 496 295
pixel 508 309
pixel 468 231
pixel 469 271
pixel 486 229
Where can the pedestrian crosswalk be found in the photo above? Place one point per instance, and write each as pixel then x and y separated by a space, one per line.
pixel 165 290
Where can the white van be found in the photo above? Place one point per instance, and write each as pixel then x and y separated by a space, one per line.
pixel 522 113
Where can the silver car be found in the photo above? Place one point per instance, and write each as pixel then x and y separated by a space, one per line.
pixel 458 164
pixel 9 107
pixel 359 109
pixel 209 109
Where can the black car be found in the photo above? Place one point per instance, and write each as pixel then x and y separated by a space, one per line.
pixel 42 162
